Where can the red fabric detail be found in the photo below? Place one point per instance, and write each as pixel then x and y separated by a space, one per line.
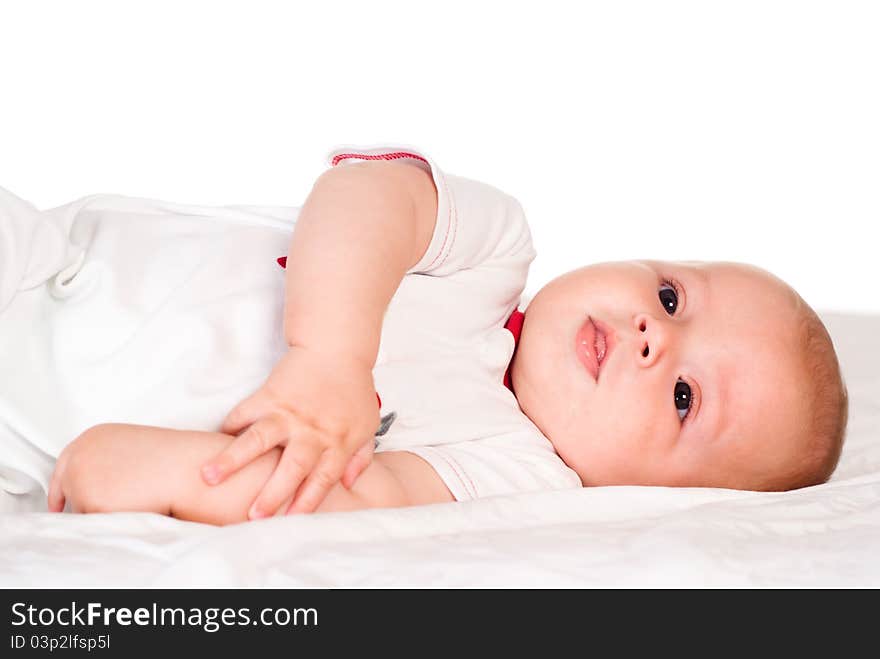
pixel 514 325
pixel 384 156
pixel 282 261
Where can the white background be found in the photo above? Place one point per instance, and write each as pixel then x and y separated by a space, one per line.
pixel 745 131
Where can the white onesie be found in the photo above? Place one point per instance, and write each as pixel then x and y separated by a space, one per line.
pixel 129 310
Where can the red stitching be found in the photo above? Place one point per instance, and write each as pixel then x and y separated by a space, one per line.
pixel 452 215
pixel 453 220
pixel 459 472
pixel 384 156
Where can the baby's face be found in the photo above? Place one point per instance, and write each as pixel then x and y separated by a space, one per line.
pixel 698 385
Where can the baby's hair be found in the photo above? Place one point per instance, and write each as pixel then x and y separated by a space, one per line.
pixel 825 424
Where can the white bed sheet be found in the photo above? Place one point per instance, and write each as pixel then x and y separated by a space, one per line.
pixel 827 535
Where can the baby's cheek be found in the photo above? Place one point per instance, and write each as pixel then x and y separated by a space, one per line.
pixel 632 426
pixel 576 452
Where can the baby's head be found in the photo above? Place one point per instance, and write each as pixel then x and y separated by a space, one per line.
pixel 713 375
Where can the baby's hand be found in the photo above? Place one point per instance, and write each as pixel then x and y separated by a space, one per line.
pixel 95 473
pixel 61 484
pixel 79 480
pixel 322 407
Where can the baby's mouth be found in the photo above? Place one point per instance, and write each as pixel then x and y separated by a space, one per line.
pixel 606 339
pixel 593 344
pixel 599 346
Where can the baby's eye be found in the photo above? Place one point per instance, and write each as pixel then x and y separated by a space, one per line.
pixel 683 398
pixel 668 298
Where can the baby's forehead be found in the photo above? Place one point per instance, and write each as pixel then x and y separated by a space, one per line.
pixel 756 380
pixel 743 312
pixel 724 268
pixel 765 403
pixel 732 278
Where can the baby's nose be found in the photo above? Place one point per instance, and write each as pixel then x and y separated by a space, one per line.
pixel 651 338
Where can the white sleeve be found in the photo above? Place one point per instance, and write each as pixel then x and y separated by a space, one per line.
pixel 477 224
pixel 511 463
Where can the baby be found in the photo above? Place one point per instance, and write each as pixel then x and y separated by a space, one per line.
pixel 684 374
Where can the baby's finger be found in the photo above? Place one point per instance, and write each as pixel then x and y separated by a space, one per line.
pixel 297 460
pixel 319 483
pixel 359 461
pixel 242 415
pixel 251 444
pixel 55 498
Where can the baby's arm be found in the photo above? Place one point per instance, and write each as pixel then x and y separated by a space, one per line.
pixel 121 467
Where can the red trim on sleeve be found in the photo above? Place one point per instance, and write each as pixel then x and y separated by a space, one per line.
pixel 383 156
pixel 395 155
